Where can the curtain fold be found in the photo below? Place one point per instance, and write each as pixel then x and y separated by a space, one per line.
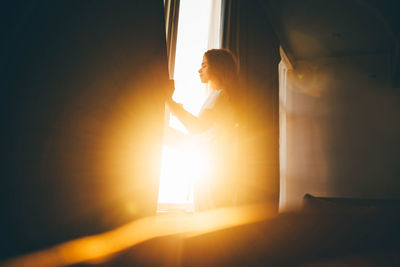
pixel 84 105
pixel 248 33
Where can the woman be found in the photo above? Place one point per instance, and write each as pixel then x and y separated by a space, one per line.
pixel 215 127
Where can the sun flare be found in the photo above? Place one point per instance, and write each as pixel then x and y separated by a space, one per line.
pixel 180 169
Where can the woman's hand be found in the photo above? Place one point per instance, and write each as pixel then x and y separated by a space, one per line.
pixel 173 106
pixel 169 90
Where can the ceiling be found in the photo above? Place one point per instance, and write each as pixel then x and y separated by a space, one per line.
pixel 315 28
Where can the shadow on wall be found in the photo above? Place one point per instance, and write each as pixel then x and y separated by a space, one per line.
pixel 343 133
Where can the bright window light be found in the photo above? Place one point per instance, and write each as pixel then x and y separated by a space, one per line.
pixel 198 30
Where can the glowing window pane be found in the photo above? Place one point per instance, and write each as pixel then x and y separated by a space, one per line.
pixel 198 30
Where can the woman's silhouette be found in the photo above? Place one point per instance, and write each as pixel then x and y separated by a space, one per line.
pixel 216 128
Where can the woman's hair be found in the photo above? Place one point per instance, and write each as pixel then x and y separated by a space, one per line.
pixel 223 69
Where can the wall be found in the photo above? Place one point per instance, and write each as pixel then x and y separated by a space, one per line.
pixel 343 134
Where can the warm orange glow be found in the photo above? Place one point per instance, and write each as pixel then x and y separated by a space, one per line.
pixel 180 166
pixel 98 247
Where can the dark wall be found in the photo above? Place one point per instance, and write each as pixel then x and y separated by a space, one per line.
pixel 81 117
pixel 343 135
pixel 342 98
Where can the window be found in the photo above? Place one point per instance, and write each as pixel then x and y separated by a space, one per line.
pixel 198 29
pixel 284 66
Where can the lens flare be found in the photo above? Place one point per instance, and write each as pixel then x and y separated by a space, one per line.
pixel 181 167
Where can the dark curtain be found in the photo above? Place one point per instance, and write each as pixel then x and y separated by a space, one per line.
pixel 81 116
pixel 248 33
pixel 230 25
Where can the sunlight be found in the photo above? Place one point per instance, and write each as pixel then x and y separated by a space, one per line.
pixel 181 166
pixel 99 248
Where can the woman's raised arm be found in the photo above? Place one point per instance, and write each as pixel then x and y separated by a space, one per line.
pixel 192 123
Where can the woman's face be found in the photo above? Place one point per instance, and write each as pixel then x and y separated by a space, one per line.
pixel 203 71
